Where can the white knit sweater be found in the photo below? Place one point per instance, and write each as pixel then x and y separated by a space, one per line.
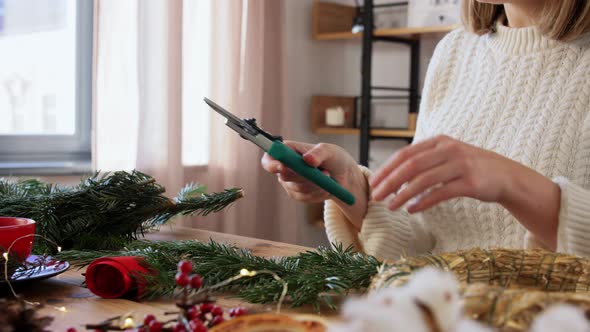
pixel 514 92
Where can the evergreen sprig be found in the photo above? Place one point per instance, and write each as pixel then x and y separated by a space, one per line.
pixel 104 211
pixel 313 277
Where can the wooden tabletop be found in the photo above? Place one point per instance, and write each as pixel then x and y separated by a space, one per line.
pixel 85 308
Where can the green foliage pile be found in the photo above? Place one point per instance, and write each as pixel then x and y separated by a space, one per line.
pixel 103 212
pixel 313 277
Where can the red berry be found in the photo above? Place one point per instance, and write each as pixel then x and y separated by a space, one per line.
pixel 178 327
pixel 182 279
pixel 71 329
pixel 193 313
pixel 216 311
pixel 147 319
pixel 200 328
pixel 206 307
pixel 239 311
pixel 196 281
pixel 196 325
pixel 185 266
pixel 197 321
pixel 217 320
pixel 155 326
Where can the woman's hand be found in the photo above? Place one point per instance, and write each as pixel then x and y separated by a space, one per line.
pixel 442 168
pixel 449 168
pixel 335 162
pixel 332 159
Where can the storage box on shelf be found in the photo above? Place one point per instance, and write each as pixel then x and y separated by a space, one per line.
pixel 334 21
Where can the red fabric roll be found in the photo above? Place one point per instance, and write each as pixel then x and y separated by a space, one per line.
pixel 116 277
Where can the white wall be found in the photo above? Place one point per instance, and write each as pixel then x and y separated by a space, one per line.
pixel 333 67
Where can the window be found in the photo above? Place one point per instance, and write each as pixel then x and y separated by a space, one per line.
pixel 45 86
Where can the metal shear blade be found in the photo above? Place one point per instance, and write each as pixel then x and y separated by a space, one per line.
pixel 247 129
pixel 226 114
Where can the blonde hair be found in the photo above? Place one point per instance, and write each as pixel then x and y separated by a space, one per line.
pixel 560 20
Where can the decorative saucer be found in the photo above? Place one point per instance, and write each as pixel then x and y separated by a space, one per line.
pixel 37 268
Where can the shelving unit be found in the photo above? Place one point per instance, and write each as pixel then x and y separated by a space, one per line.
pixel 318 126
pixel 334 22
pixel 395 133
pixel 410 33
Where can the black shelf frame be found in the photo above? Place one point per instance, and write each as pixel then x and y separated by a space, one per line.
pixel 366 85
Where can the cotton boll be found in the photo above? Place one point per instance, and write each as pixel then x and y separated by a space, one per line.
pixel 561 317
pixel 386 310
pixel 437 291
pixel 467 325
pixel 430 294
pixel 388 299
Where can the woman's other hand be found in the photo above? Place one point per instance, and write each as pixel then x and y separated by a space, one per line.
pixel 442 168
pixel 439 169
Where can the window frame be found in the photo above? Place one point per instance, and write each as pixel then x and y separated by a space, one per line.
pixel 60 154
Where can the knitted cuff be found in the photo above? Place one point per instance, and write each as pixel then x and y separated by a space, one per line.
pixel 385 235
pixel 573 234
pixel 338 228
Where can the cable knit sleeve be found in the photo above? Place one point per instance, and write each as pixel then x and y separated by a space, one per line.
pixel 384 234
pixel 573 233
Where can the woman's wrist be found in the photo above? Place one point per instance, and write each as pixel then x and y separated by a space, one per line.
pixel 534 200
pixel 357 184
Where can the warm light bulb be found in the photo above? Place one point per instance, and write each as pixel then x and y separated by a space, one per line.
pixel 5 255
pixel 246 273
pixel 128 323
pixel 58 249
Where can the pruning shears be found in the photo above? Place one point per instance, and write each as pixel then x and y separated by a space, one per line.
pixel 273 145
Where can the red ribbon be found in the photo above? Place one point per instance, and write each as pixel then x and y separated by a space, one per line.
pixel 116 277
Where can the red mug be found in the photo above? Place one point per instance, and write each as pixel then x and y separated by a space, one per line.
pixel 13 228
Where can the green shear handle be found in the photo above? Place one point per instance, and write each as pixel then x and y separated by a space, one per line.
pixel 294 161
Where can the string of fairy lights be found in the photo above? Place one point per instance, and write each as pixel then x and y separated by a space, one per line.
pixel 245 273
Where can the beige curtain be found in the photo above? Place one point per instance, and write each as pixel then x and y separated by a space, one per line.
pixel 247 76
pixel 139 93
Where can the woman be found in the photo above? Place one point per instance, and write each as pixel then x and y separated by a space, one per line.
pixel 502 152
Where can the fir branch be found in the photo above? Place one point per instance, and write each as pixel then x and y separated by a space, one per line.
pixel 313 276
pixel 104 211
pixel 203 204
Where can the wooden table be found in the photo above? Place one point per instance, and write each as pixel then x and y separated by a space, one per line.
pixel 83 307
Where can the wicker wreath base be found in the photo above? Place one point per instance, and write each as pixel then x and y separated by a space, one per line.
pixel 515 309
pixel 505 288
